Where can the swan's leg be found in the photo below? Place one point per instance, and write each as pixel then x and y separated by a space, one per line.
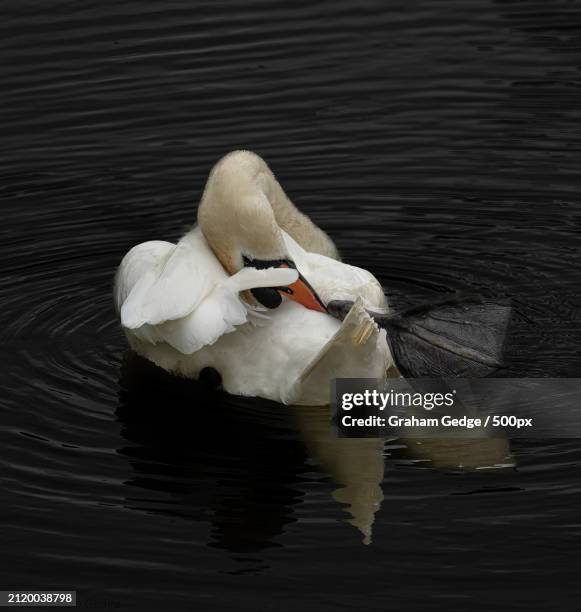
pixel 357 350
pixel 455 337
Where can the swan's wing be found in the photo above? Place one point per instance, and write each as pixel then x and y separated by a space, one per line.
pixel 181 295
pixel 138 271
pixel 222 310
pixel 335 280
pixel 168 290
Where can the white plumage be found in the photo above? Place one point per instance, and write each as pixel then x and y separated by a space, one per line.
pixel 180 305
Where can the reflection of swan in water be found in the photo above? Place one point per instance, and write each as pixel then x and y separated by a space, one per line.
pixel 243 467
pixel 459 454
pixel 210 458
pixel 240 464
pixel 466 450
pixel 356 465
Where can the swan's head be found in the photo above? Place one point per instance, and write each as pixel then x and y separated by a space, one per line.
pixel 242 231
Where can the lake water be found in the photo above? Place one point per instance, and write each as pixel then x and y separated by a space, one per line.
pixel 438 142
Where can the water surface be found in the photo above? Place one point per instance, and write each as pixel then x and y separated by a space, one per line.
pixel 437 142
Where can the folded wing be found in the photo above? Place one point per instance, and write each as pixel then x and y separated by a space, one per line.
pixel 181 295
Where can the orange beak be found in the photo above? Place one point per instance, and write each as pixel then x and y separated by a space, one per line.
pixel 302 292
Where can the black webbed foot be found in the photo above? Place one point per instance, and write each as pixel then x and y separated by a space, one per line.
pixel 460 336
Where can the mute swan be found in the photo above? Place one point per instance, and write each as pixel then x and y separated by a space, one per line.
pixel 244 292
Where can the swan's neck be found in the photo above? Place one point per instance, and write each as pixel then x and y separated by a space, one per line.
pixel 243 193
pixel 292 221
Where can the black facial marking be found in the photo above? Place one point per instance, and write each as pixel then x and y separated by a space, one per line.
pixel 267 296
pixel 262 264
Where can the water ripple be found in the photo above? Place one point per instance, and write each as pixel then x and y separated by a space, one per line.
pixel 437 143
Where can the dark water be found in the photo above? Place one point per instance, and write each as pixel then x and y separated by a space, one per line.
pixel 439 142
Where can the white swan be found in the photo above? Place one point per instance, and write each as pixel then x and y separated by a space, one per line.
pixel 200 303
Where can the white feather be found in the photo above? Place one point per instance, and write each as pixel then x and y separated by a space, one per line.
pixel 335 280
pixel 179 307
pixel 169 293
